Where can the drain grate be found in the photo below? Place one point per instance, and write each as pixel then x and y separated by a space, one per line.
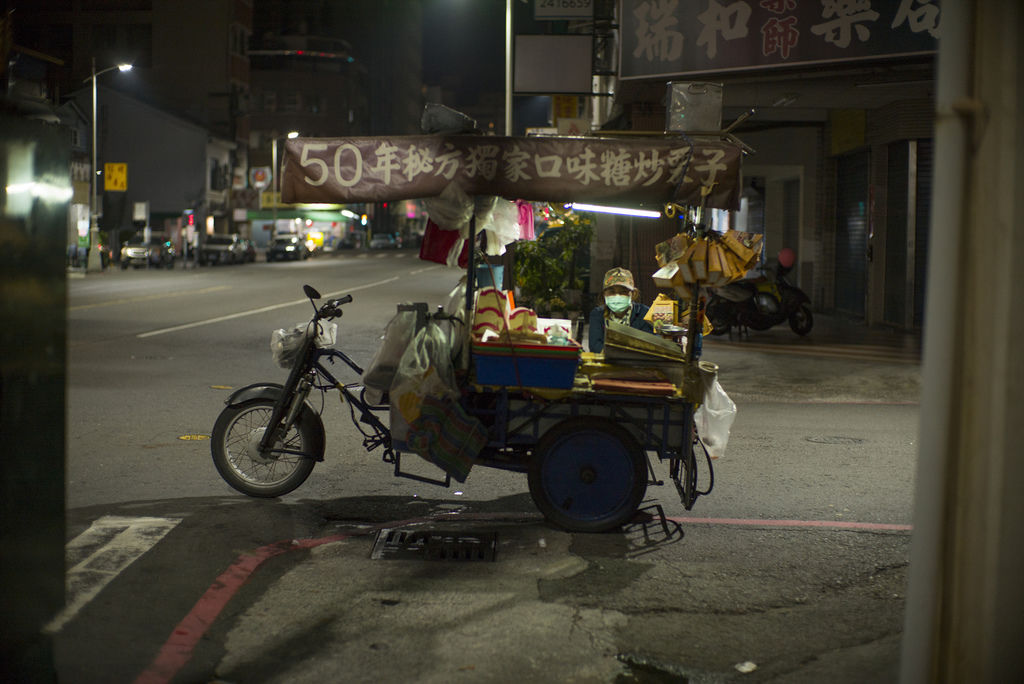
pixel 399 544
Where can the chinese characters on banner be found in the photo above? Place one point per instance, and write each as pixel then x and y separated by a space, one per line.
pixel 669 37
pixel 377 169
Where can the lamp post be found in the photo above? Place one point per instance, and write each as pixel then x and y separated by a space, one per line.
pixel 508 67
pixel 95 263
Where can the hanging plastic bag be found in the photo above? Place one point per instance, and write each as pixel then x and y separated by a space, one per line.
pixel 456 328
pixel 424 370
pixel 398 334
pixel 502 228
pixel 452 209
pixel 714 419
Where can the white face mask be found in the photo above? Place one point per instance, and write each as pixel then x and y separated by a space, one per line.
pixel 618 303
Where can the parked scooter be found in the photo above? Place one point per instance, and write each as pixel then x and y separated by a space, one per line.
pixel 762 302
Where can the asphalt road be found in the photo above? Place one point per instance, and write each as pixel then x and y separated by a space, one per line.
pixel 795 563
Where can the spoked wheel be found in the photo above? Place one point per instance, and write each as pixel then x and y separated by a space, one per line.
pixel 588 475
pixel 235 441
pixel 801 321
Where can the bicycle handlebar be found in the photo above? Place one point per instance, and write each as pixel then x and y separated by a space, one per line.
pixel 332 309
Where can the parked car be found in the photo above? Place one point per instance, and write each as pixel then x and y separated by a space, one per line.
pixel 287 247
pixel 383 241
pixel 137 251
pixel 221 249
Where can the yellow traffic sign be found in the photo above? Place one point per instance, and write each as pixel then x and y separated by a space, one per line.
pixel 115 177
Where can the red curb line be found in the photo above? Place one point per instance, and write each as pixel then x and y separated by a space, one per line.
pixel 178 648
pixel 755 522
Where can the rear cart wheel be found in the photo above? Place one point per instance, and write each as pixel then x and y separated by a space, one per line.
pixel 234 444
pixel 588 475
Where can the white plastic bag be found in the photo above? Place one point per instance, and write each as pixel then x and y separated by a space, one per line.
pixel 451 210
pixel 502 228
pixel 285 345
pixel 398 335
pixel 425 370
pixel 456 306
pixel 714 419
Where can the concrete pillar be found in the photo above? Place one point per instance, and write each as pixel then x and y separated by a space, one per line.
pixel 965 605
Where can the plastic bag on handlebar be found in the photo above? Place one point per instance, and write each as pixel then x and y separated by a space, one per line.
pixel 285 345
pixel 714 419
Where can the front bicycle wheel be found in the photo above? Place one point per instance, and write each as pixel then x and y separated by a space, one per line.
pixel 235 441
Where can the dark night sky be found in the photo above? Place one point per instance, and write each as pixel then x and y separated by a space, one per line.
pixel 464 46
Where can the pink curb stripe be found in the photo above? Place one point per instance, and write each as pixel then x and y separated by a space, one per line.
pixel 177 650
pixel 756 522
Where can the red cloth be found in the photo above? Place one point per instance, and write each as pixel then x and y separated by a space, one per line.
pixel 438 243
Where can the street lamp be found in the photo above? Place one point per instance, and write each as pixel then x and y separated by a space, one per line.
pixel 94 262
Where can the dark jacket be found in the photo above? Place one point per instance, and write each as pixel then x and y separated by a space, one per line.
pixel 595 335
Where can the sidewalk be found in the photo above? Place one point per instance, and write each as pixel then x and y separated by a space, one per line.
pixel 830 329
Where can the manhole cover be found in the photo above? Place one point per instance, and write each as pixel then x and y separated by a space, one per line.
pixel 834 439
pixel 399 544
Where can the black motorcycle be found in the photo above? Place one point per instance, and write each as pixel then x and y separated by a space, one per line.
pixel 761 303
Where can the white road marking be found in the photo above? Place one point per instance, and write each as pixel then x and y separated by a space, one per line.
pixel 99 554
pixel 241 314
pixel 425 268
pixel 146 298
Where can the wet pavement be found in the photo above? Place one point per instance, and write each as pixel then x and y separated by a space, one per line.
pixel 237 590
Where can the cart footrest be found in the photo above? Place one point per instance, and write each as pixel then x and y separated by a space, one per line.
pixel 446 482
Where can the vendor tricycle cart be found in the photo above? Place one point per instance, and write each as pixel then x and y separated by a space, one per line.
pixel 580 425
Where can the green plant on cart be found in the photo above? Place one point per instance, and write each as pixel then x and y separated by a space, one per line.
pixel 552 271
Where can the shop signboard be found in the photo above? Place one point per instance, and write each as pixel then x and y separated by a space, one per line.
pixel 672 39
pixel 563 9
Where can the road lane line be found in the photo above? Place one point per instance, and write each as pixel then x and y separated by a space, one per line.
pixel 425 268
pixel 242 314
pixel 146 298
pixel 99 554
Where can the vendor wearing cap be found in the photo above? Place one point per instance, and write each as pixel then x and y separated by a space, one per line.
pixel 620 305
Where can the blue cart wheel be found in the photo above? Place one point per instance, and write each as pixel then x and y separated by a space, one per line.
pixel 588 475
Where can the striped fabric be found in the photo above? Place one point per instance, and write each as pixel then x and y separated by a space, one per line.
pixel 447 436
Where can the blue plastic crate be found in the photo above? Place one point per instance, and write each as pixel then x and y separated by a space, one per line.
pixel 525 365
